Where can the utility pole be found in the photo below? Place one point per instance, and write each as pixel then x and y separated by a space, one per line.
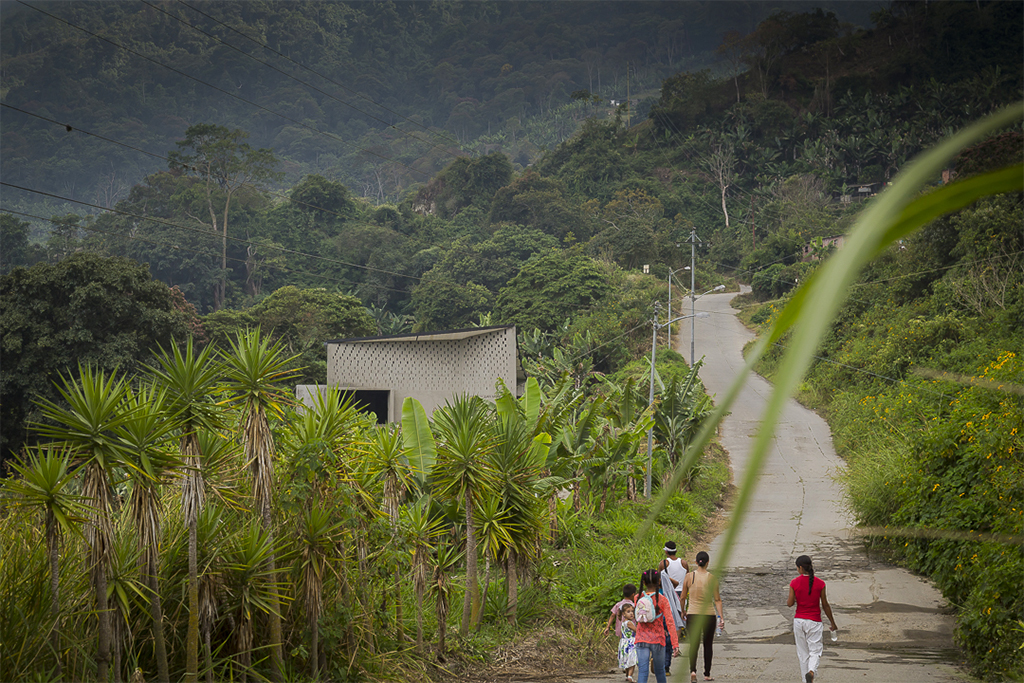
pixel 650 400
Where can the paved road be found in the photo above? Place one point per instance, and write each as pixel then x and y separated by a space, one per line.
pixel 894 626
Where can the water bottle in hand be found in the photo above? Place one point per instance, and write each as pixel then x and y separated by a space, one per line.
pixel 835 636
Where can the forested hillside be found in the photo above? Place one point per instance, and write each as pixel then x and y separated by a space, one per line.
pixel 379 96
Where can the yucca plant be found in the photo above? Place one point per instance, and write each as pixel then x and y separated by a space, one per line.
pixel 388 464
pixel 85 426
pixel 250 586
pixel 463 473
pixel 256 369
pixel 421 529
pixel 191 380
pixel 495 527
pixel 151 461
pixel 446 560
pixel 44 483
pixel 126 593
pixel 318 534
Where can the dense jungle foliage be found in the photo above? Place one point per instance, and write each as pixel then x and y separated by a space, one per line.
pixel 243 220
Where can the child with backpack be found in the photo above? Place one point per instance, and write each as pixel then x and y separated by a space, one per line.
pixel 653 622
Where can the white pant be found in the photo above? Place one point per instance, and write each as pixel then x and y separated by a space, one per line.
pixel 808 645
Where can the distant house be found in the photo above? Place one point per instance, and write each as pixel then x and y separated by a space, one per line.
pixel 834 242
pixel 432 368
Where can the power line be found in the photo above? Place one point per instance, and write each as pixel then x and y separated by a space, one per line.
pixel 297 80
pixel 208 233
pixel 70 128
pixel 225 92
pixel 75 128
pixel 177 247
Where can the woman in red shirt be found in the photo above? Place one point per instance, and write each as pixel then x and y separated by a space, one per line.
pixel 650 636
pixel 808 594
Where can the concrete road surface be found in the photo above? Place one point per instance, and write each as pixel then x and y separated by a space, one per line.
pixel 894 626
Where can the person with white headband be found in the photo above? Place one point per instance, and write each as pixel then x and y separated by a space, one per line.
pixel 674 569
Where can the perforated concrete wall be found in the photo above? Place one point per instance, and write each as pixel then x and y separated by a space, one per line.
pixel 432 368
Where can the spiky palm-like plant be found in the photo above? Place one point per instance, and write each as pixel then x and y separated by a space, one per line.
pixel 463 473
pixel 150 461
pixel 318 536
pixel 126 593
pixel 250 586
pixel 256 369
pixel 446 561
pixel 94 408
pixel 191 381
pixel 421 529
pixel 43 483
pixel 389 465
pixel 494 526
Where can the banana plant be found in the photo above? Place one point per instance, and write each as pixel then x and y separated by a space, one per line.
pixel 679 414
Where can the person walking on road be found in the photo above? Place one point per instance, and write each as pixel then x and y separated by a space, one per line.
pixel 808 594
pixel 702 602
pixel 674 567
pixel 650 635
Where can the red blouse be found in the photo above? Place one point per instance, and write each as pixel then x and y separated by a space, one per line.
pixel 653 632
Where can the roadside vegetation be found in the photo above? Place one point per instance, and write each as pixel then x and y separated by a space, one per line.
pixel 922 381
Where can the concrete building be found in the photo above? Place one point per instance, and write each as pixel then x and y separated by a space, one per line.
pixel 432 368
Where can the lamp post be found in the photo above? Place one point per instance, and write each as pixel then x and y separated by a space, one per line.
pixel 654 347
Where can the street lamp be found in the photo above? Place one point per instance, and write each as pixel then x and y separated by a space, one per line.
pixel 654 347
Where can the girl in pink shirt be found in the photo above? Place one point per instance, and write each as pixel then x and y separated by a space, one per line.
pixel 808 594
pixel 650 636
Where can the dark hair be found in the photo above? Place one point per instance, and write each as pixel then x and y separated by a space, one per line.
pixel 805 562
pixel 652 577
pixel 628 591
pixel 702 559
pixel 670 547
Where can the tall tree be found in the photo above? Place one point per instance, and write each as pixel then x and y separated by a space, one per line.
pixel 226 164
pixel 104 312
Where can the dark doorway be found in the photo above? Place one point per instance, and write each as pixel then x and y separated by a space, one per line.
pixel 374 401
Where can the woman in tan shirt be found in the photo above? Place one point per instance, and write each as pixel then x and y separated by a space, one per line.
pixel 701 602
